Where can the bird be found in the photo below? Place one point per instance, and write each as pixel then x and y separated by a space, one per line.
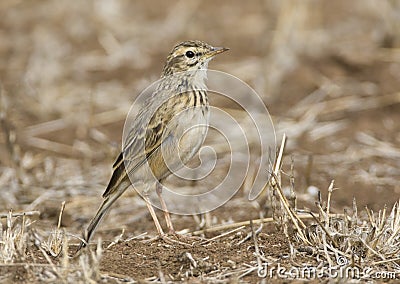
pixel 161 138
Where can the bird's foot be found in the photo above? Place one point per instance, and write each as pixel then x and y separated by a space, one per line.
pixel 175 238
pixel 187 238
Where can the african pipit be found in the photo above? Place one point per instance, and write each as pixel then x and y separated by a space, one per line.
pixel 163 137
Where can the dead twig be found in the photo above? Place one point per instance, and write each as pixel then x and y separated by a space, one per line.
pixel 27 213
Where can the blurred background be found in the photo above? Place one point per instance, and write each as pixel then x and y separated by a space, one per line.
pixel 328 71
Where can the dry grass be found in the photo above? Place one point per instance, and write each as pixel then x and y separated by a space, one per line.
pixel 352 244
pixel 327 71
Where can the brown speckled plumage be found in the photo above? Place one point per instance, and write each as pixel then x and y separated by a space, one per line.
pixel 179 101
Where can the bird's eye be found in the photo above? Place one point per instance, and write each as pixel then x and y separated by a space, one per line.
pixel 189 54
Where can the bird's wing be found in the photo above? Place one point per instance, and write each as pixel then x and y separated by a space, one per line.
pixel 142 142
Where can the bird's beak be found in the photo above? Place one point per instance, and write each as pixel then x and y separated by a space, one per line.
pixel 216 50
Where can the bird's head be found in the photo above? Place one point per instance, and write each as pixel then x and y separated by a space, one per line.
pixel 190 56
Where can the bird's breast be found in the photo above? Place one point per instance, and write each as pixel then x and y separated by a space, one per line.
pixel 184 132
pixel 188 128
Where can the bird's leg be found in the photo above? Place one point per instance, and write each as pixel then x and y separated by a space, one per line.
pixel 167 219
pixel 164 208
pixel 153 214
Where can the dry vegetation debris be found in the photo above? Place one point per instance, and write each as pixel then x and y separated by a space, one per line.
pixel 329 74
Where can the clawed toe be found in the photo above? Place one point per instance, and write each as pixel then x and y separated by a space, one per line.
pixel 175 238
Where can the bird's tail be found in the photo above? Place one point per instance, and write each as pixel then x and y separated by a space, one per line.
pixel 102 211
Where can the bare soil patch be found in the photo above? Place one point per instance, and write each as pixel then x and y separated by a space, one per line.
pixel 327 71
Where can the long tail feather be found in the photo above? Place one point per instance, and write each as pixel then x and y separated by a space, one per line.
pixel 102 211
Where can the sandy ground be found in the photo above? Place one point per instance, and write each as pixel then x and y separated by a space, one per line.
pixel 328 72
